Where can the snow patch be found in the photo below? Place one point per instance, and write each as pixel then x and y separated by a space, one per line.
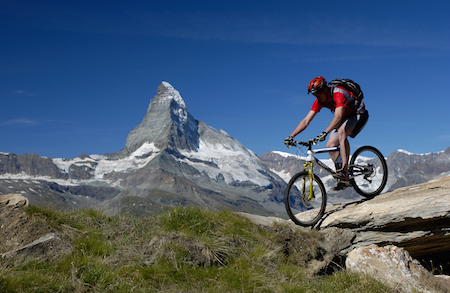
pixel 286 176
pixel 138 159
pixel 23 176
pixel 404 152
pixel 412 154
pixel 285 155
pixel 234 163
pixel 100 165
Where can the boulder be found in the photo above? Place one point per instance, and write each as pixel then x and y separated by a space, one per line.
pixel 334 240
pixel 10 202
pixel 396 268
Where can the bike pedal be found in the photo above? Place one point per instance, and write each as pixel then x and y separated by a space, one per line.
pixel 341 185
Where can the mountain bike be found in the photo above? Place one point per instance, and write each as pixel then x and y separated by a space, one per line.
pixel 305 197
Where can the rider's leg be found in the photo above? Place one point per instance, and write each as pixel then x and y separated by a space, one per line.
pixel 343 133
pixel 345 153
pixel 333 141
pixel 339 137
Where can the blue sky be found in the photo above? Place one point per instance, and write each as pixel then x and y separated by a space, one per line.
pixel 77 76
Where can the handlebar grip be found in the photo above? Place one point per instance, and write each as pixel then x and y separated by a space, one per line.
pixel 308 143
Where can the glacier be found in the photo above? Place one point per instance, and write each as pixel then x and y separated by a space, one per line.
pixel 234 163
pixel 103 166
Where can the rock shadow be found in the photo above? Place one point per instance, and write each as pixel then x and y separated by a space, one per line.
pixel 338 208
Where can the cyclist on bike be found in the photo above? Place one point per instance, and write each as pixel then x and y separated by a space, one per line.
pixel 347 121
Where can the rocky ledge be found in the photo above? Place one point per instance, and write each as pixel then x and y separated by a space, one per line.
pixel 416 218
pixel 388 235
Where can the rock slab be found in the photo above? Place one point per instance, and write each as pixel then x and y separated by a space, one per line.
pixel 416 218
pixel 47 247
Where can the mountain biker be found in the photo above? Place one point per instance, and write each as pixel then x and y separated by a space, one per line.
pixel 347 121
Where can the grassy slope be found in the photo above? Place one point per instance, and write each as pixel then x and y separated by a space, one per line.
pixel 181 250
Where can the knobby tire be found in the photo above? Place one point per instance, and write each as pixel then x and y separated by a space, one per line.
pixel 374 184
pixel 302 211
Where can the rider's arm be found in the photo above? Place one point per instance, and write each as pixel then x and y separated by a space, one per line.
pixel 304 123
pixel 338 114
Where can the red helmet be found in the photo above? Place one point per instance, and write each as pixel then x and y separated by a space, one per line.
pixel 316 85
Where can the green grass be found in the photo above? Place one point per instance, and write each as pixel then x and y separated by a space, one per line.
pixel 182 250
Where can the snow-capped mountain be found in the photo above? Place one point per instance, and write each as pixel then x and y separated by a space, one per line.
pixel 408 169
pixel 169 159
pixel 167 124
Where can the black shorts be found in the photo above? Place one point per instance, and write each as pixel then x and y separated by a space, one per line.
pixel 354 123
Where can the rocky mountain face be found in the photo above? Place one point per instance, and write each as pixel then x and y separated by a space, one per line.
pixel 169 159
pixel 167 124
pixel 30 164
pixel 407 169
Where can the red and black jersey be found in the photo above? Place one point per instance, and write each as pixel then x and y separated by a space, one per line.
pixel 338 99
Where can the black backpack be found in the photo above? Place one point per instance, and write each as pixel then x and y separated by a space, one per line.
pixel 352 87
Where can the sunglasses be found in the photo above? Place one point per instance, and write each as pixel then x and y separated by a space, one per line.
pixel 317 92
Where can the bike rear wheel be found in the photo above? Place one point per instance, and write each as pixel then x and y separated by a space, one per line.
pixel 370 169
pixel 305 199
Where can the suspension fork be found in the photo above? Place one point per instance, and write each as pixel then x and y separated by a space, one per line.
pixel 308 166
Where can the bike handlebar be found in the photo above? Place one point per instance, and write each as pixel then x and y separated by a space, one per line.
pixel 309 143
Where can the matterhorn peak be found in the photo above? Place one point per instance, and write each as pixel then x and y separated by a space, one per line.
pixel 166 92
pixel 166 124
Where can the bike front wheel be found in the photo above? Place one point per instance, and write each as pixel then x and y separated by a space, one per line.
pixel 368 170
pixel 305 199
